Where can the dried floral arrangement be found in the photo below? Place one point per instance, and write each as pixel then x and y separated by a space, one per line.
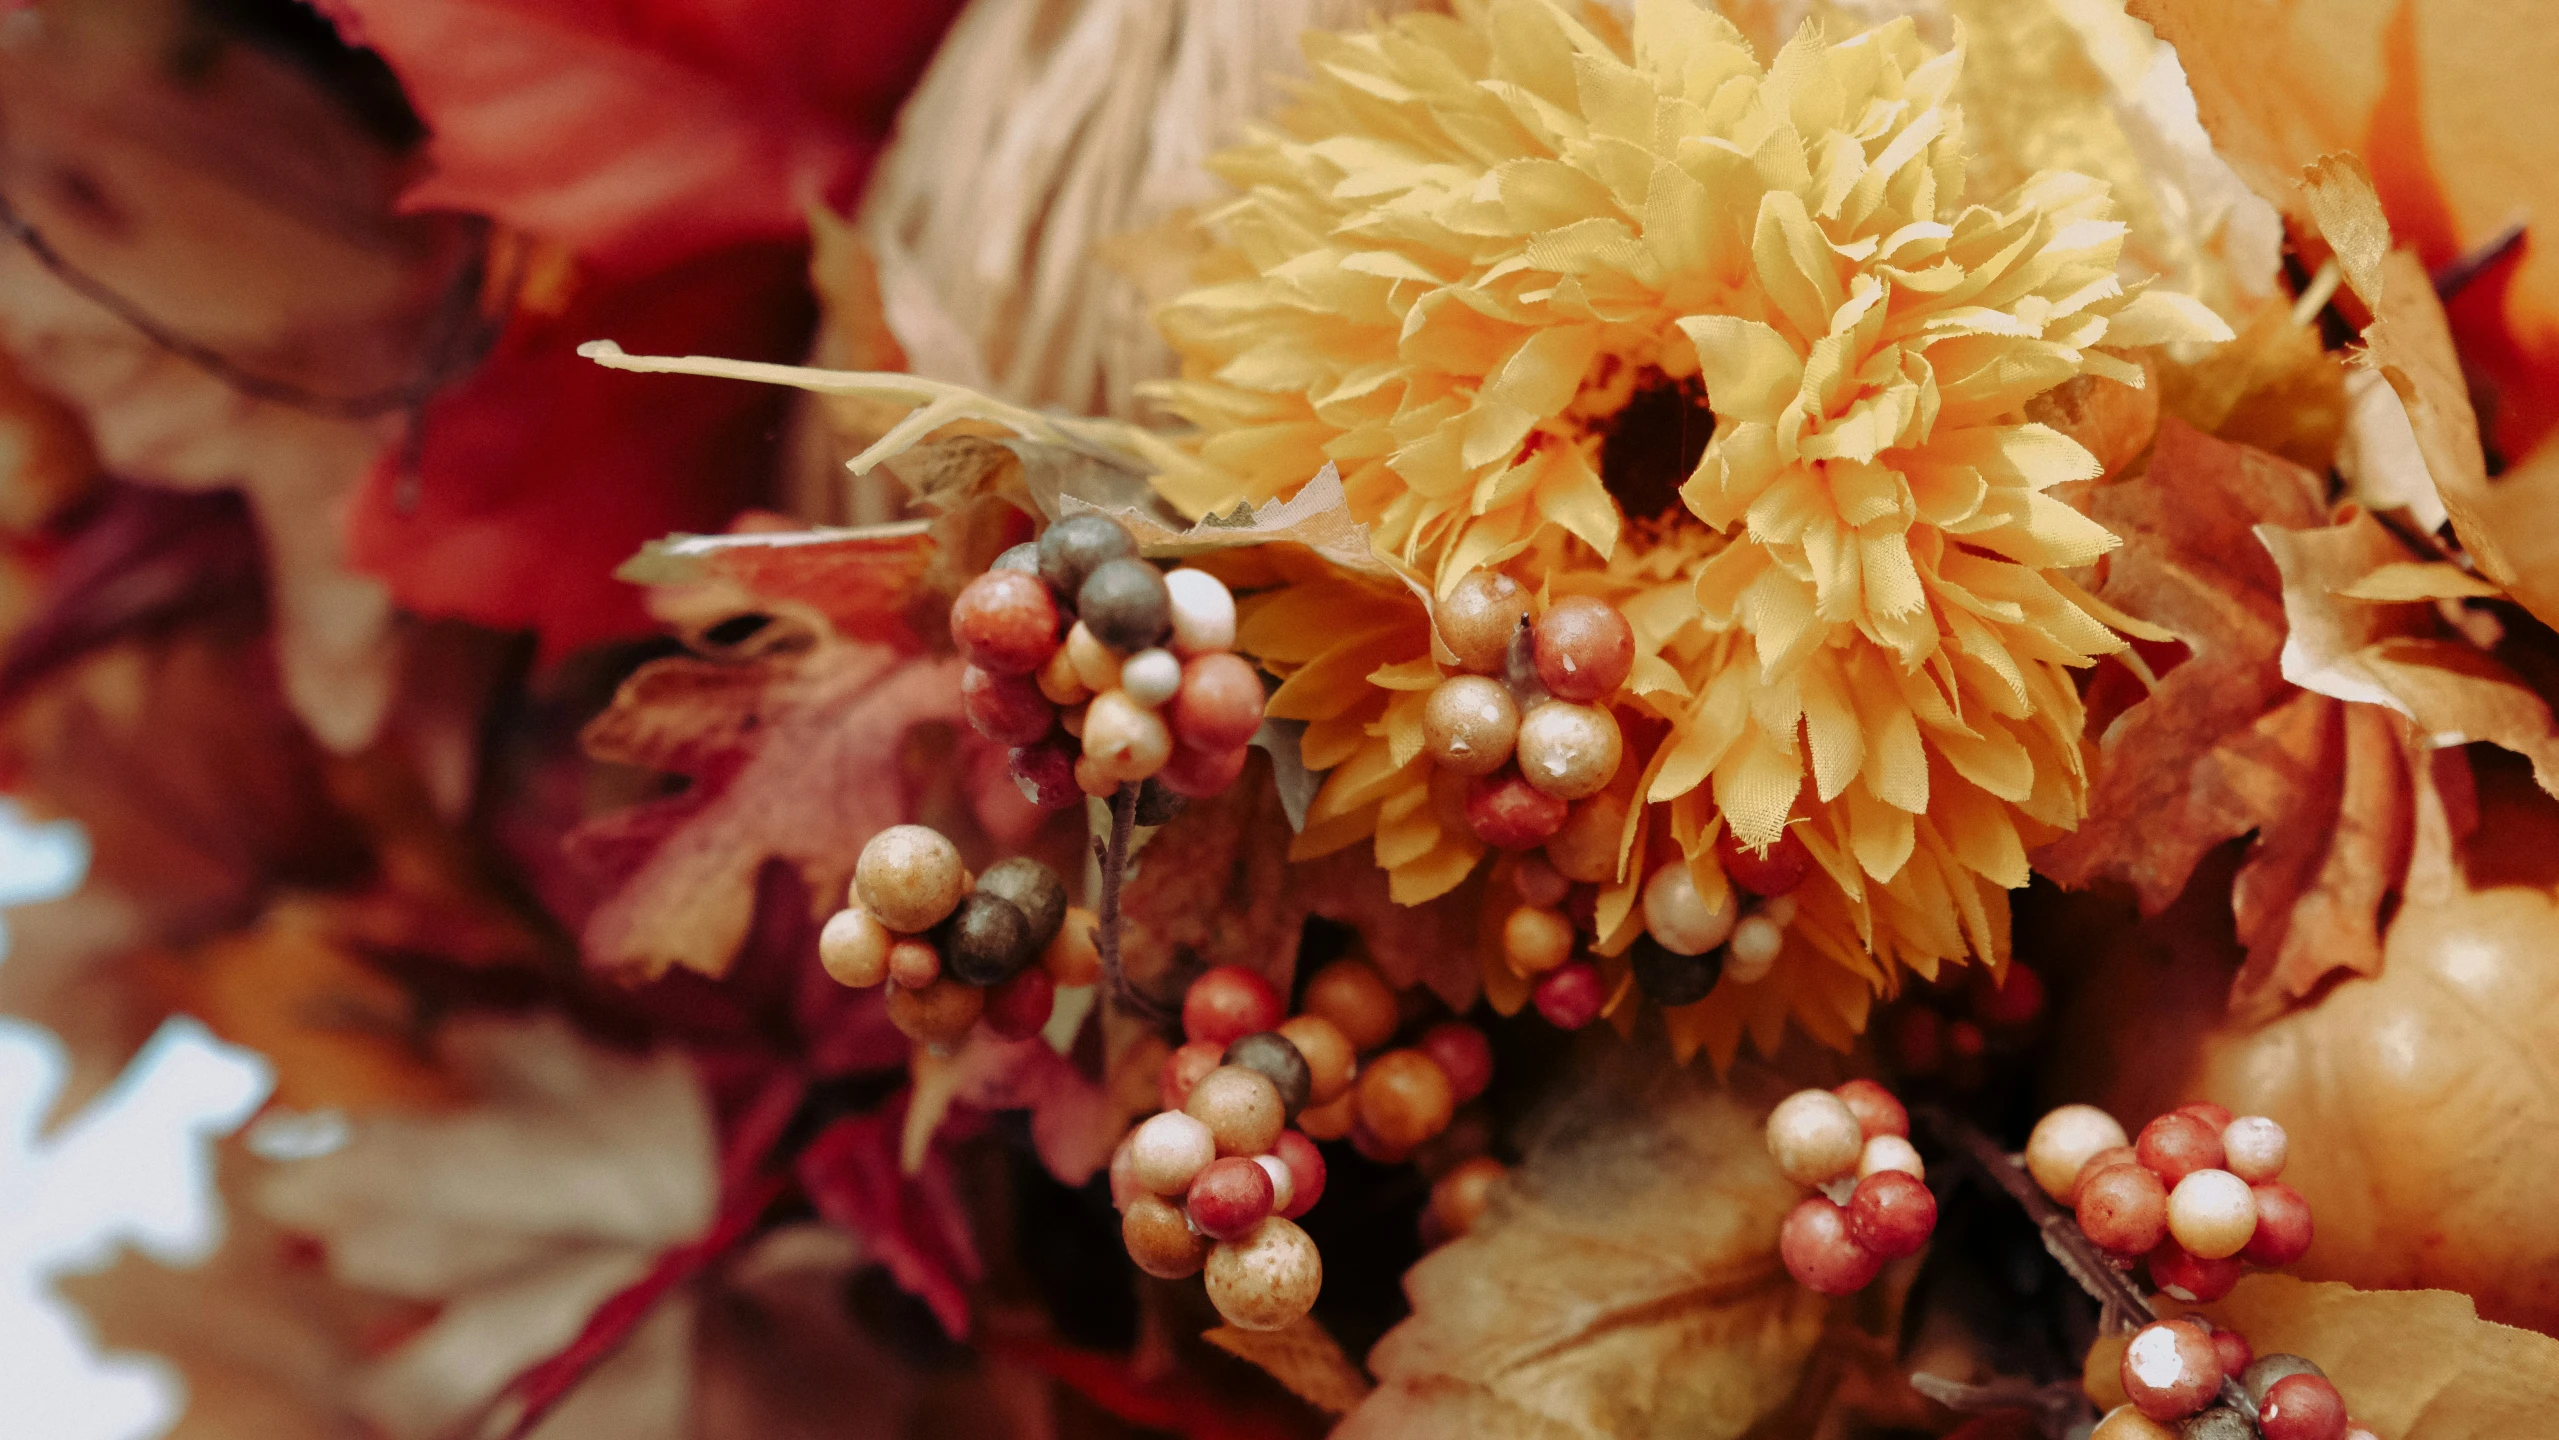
pixel 1723 718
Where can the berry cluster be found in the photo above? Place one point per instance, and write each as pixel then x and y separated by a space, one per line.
pixel 1688 943
pixel 1215 1180
pixel 953 948
pixel 1526 727
pixel 1853 1139
pixel 2185 1379
pixel 2195 1195
pixel 1101 670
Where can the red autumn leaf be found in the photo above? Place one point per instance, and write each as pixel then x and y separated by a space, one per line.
pixel 916 1224
pixel 792 759
pixel 535 476
pixel 639 133
pixel 1075 1123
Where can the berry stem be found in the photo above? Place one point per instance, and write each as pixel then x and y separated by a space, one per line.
pixel 2125 1307
pixel 1113 855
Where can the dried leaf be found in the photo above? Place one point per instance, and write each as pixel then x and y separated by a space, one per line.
pixel 2412 1364
pixel 516 1216
pixel 786 756
pixel 1304 1357
pixel 2394 653
pixel 2224 745
pixel 1318 517
pixel 2442 99
pixel 1626 1286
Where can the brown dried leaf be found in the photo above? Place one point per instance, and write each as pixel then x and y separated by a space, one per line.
pixel 1304 1357
pixel 1626 1285
pixel 2393 651
pixel 2412 1364
pixel 2224 745
pixel 1233 898
pixel 1318 517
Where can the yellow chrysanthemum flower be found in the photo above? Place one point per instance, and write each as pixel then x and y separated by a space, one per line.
pixel 1508 270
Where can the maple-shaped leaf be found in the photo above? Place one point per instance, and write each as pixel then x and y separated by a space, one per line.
pixel 793 758
pixel 2224 745
pixel 639 133
pixel 1626 1285
pixel 2411 1364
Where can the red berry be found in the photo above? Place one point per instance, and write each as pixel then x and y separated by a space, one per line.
pixel 1228 1003
pixel 2234 1351
pixel 1508 813
pixel 2218 1117
pixel 1820 1253
pixel 1777 872
pixel 1464 1053
pixel 1891 1214
pixel 2012 1004
pixel 1877 1111
pixel 1018 1009
pixel 2104 1160
pixel 2171 1370
pixel 2123 1209
pixel 1584 649
pixel 2283 1226
pixel 1230 1197
pixel 1570 995
pixel 1007 709
pixel 1045 772
pixel 1220 703
pixel 2179 1273
pixel 2302 1407
pixel 1305 1171
pixel 2177 1145
pixel 1199 774
pixel 1183 1069
pixel 1006 622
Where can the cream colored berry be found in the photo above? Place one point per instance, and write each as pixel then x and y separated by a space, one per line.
pixel 1890 1152
pixel 1469 725
pixel 1266 1279
pixel 1814 1137
pixel 2254 1148
pixel 909 877
pixel 1569 751
pixel 2212 1213
pixel 2062 1143
pixel 1681 918
pixel 1169 1151
pixel 1125 740
pixel 1752 952
pixel 854 948
pixel 1203 612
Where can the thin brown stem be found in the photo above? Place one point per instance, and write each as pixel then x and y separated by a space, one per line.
pixel 1113 855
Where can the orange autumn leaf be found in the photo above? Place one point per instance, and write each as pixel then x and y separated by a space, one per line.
pixel 2412 1364
pixel 2225 746
pixel 2444 99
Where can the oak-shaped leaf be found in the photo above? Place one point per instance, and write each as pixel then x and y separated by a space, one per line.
pixel 1626 1285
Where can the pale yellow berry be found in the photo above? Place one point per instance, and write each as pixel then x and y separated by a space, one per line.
pixel 854 948
pixel 2212 1213
pixel 1469 724
pixel 1097 665
pixel 1890 1152
pixel 1753 950
pixel 2254 1148
pixel 2063 1141
pixel 1268 1278
pixel 909 877
pixel 1814 1137
pixel 1169 1151
pixel 1125 740
pixel 1681 919
pixel 1569 751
